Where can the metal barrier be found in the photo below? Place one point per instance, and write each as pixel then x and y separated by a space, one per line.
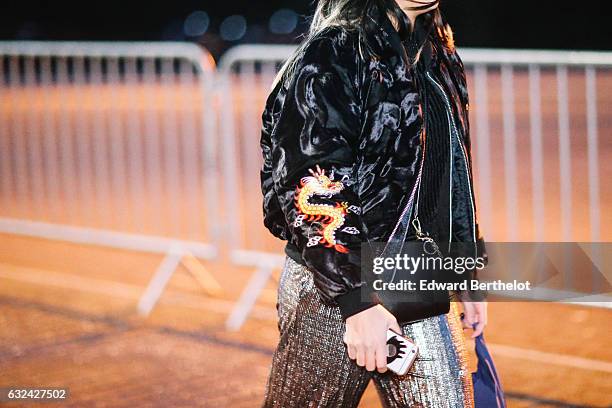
pixel 240 96
pixel 112 144
pixel 528 102
pixel 117 144
pixel 535 84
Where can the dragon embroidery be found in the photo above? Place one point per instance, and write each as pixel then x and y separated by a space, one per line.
pixel 330 217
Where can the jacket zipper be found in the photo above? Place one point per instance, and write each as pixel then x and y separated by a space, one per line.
pixel 455 133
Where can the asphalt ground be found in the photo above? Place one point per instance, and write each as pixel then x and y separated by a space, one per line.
pixel 66 322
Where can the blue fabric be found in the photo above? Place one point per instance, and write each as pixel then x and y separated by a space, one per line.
pixel 488 391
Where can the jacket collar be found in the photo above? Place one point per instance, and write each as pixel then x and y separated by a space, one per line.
pixel 389 40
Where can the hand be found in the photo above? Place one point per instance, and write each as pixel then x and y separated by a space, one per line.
pixel 475 313
pixel 366 337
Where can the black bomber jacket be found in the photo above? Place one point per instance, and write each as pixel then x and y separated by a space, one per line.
pixel 342 144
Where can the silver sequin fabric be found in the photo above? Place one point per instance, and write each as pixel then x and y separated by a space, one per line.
pixel 311 368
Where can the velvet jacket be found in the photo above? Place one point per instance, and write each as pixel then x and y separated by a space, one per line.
pixel 342 143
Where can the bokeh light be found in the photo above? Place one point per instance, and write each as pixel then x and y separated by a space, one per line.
pixel 196 23
pixel 233 28
pixel 283 21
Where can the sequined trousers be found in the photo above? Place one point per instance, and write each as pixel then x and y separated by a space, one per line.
pixel 311 367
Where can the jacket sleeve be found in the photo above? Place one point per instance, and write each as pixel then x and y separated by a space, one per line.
pixel 273 217
pixel 480 242
pixel 315 156
pixel 463 91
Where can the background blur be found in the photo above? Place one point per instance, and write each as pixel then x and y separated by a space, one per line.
pixel 504 24
pixel 134 267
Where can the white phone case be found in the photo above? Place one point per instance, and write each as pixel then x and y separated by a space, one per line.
pixel 401 353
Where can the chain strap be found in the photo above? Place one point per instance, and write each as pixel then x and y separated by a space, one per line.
pixel 429 245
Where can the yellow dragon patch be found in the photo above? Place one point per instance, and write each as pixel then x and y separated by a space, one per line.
pixel 330 217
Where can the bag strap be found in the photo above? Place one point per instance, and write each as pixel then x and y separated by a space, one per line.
pixel 416 223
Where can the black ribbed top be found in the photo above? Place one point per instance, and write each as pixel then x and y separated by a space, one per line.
pixel 433 207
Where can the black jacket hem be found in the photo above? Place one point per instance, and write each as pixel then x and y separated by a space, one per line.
pixel 351 302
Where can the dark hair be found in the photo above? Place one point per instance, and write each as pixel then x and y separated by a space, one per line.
pixel 354 15
pixel 390 7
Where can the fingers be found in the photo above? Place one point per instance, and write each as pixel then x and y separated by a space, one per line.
pixel 352 353
pixel 482 319
pixel 370 356
pixel 464 322
pixel 469 313
pixel 366 337
pixel 381 359
pixel 478 329
pixel 350 346
pixel 485 313
pixel 478 317
pixel 361 357
pixel 359 352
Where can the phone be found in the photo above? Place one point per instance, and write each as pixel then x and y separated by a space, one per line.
pixel 401 353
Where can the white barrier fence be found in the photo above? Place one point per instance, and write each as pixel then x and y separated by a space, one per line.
pixel 536 147
pixel 511 102
pixel 124 145
pixel 111 144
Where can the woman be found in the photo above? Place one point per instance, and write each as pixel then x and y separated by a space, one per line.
pixel 375 85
